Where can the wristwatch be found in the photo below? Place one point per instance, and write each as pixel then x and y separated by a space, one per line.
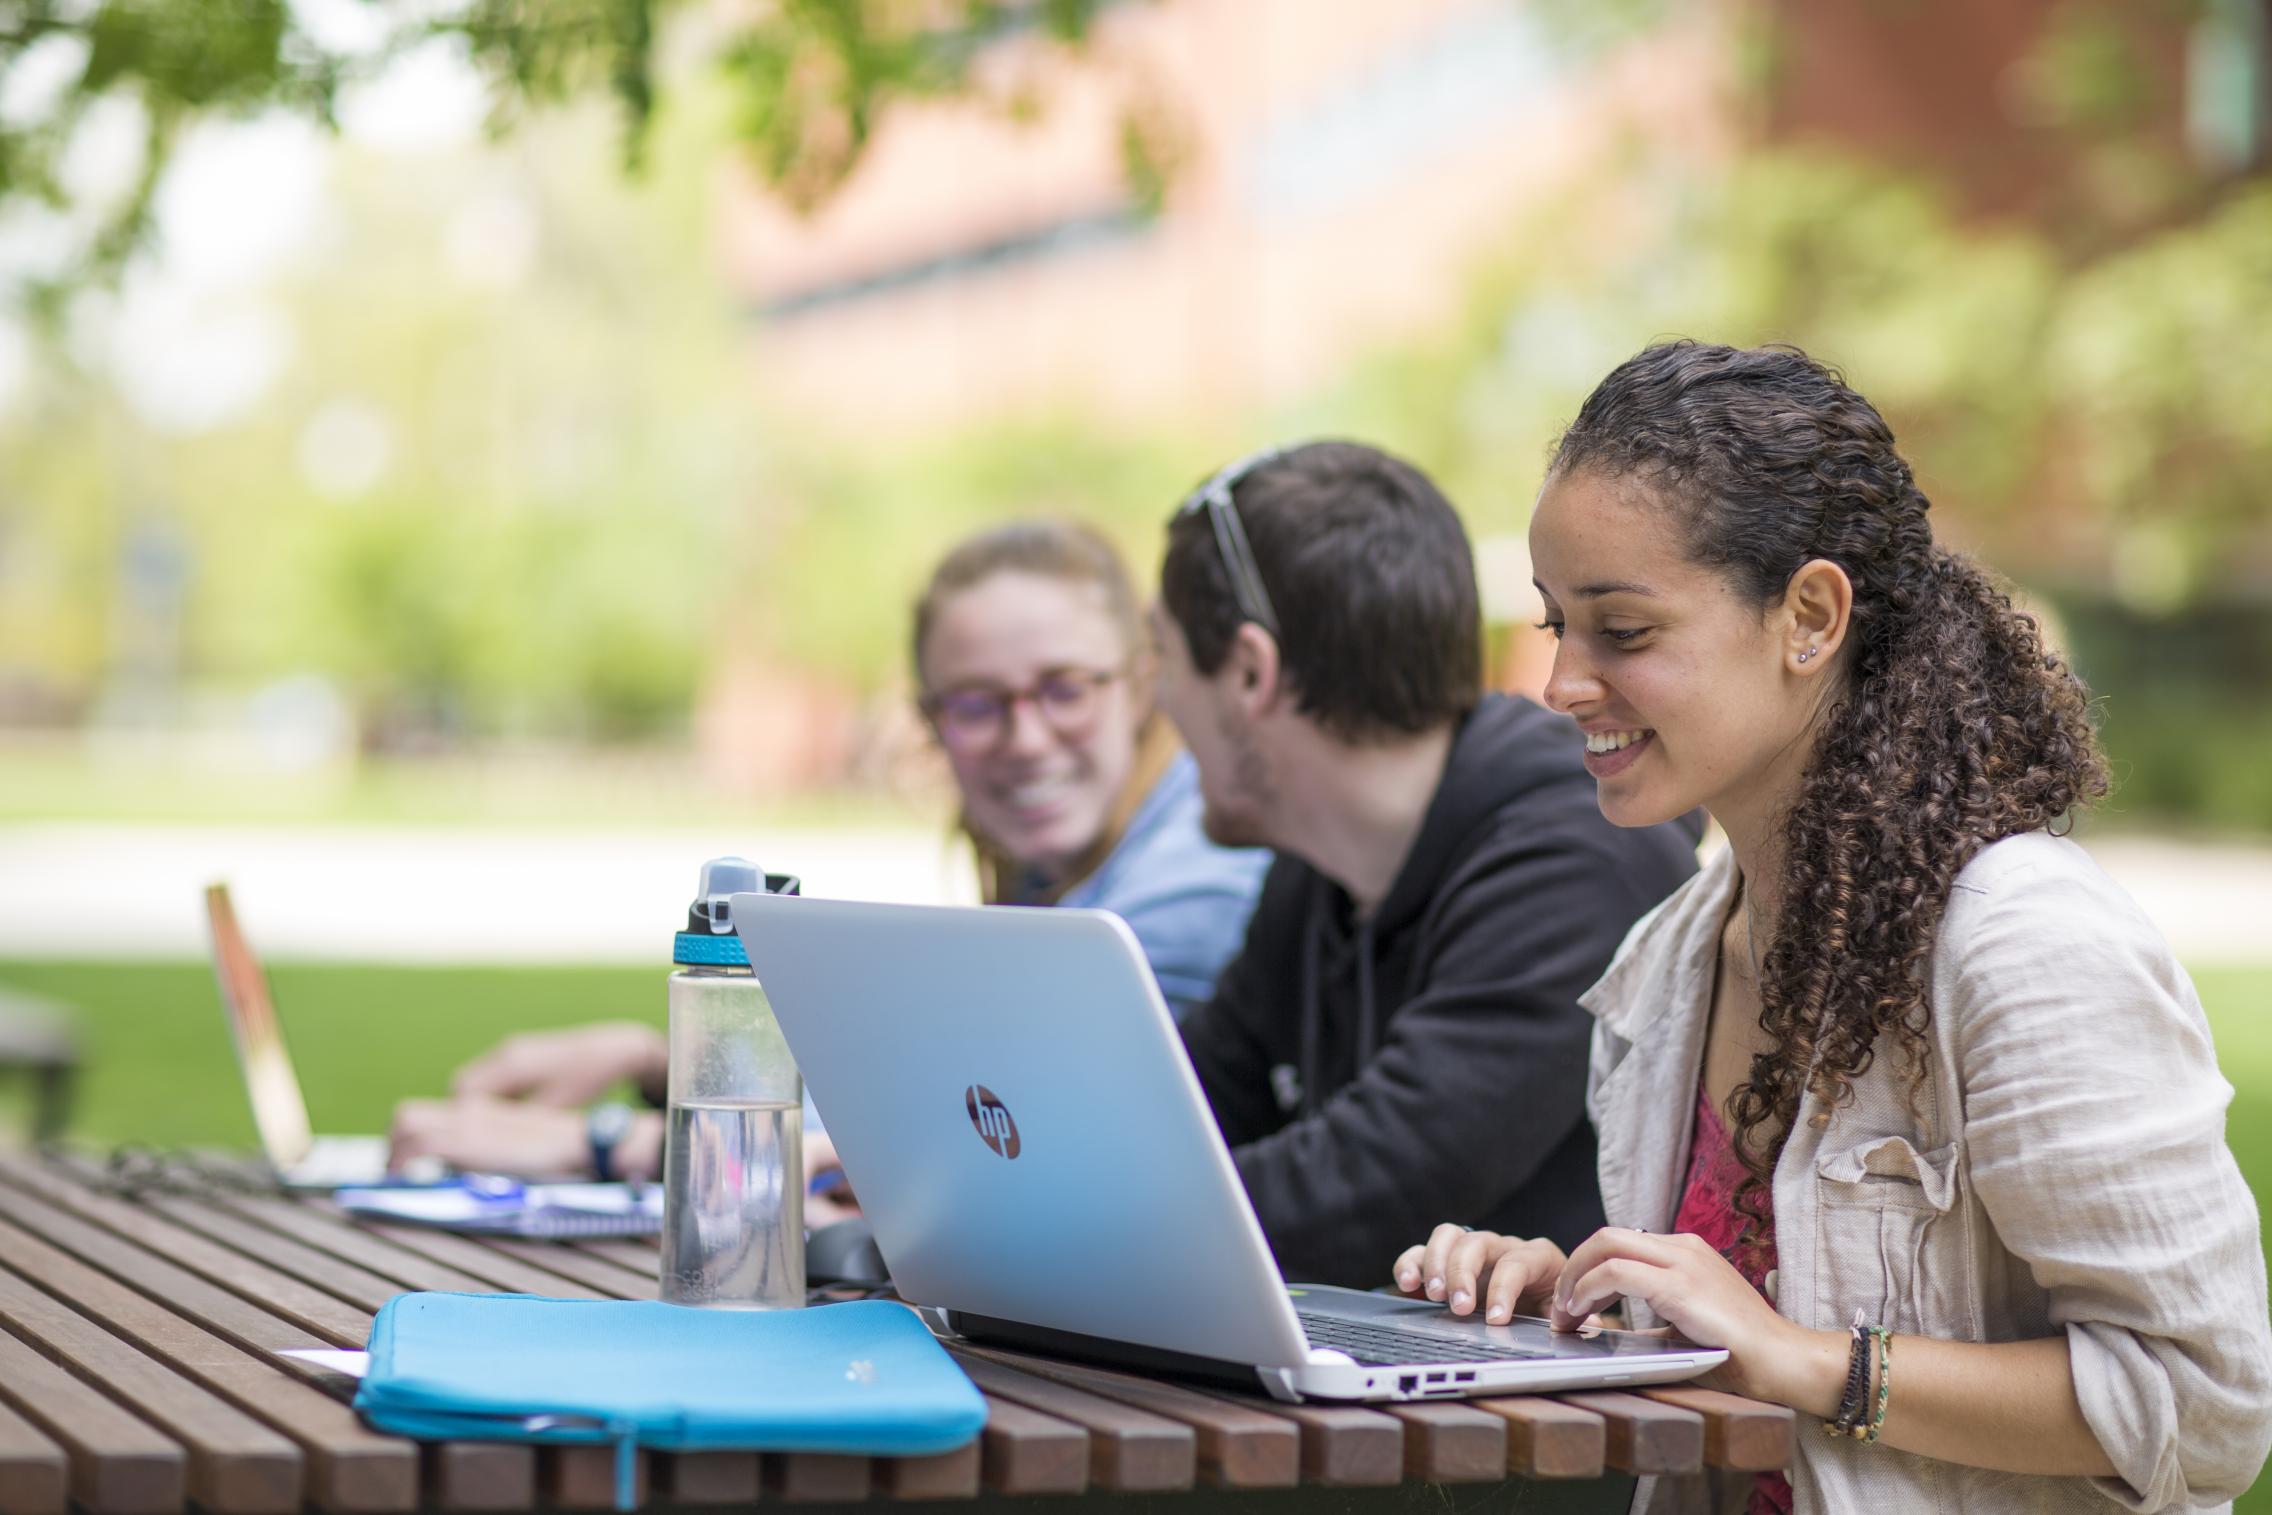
pixel 605 1126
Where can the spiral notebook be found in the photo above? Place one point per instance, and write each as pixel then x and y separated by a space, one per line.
pixel 501 1207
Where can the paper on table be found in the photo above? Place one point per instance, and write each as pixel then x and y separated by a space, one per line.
pixel 353 1364
pixel 502 1207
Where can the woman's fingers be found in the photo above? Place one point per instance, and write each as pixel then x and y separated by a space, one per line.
pixel 1524 1274
pixel 1617 1241
pixel 1612 1280
pixel 1468 1270
pixel 1436 1259
pixel 1465 1262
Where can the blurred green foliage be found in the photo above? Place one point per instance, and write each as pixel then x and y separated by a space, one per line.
pixel 812 78
pixel 2097 427
pixel 573 507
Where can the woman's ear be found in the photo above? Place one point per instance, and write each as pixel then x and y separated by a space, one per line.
pixel 1818 607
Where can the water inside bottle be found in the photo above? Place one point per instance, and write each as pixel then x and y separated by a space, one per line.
pixel 733 1204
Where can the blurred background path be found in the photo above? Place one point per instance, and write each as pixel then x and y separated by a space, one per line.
pixel 453 895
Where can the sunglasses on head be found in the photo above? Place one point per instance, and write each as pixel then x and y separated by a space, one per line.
pixel 1214 497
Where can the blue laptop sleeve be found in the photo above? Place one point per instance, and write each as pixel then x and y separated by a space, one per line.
pixel 863 1378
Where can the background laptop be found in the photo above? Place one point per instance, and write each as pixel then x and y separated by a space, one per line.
pixel 1013 1104
pixel 302 1160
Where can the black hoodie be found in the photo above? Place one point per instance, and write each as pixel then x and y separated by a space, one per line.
pixel 1376 1077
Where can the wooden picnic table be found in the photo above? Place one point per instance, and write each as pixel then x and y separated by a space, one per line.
pixel 141 1314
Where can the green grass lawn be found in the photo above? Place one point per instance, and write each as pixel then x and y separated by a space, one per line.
pixel 159 1068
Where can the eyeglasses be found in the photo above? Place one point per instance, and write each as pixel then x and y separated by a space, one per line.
pixel 1214 497
pixel 976 717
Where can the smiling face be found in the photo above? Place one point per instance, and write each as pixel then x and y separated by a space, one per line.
pixel 1686 690
pixel 1043 788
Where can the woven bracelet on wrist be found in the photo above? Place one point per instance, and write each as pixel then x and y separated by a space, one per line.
pixel 1855 1400
pixel 1885 1384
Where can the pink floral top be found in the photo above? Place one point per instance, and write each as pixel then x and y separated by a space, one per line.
pixel 1708 1209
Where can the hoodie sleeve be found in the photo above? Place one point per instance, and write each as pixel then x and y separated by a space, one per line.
pixel 1481 1074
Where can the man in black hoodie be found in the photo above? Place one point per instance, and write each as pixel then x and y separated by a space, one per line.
pixel 1399 1042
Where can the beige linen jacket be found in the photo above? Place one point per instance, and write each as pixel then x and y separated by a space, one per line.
pixel 2064 1170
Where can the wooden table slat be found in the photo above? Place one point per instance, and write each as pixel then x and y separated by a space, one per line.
pixel 120 1465
pixel 1738 1433
pixel 817 1477
pixel 1343 1446
pixel 237 1466
pixel 524 1272
pixel 434 1259
pixel 1645 1436
pixel 633 1254
pixel 708 1477
pixel 35 1476
pixel 480 1475
pixel 349 1468
pixel 325 1315
pixel 1549 1439
pixel 595 1273
pixel 1023 1451
pixel 949 1475
pixel 156 1276
pixel 1452 1443
pixel 361 1287
pixel 470 1476
pixel 1239 1446
pixel 583 1477
pixel 1130 1450
pixel 138 1371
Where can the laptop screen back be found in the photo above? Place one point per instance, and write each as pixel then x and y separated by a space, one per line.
pixel 1013 1105
pixel 279 1112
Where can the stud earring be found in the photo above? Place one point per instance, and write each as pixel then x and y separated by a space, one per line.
pixel 1810 652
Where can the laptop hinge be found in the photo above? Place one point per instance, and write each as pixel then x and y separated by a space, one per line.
pixel 1103 1350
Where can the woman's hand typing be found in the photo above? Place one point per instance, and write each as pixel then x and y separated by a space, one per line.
pixel 1509 1275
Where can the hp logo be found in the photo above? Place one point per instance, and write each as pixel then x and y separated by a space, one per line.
pixel 990 1118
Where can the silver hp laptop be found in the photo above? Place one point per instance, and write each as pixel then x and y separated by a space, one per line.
pixel 1013 1105
pixel 301 1159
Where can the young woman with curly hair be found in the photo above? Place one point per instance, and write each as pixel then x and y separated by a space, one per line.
pixel 1901 1057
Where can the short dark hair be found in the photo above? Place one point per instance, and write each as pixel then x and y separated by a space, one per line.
pixel 1369 571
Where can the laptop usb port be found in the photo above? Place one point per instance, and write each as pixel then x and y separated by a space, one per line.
pixel 1435 1378
pixel 1463 1378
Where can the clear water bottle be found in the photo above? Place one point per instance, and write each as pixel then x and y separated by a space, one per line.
pixel 734 1159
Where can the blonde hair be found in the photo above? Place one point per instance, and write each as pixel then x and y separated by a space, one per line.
pixel 1075 554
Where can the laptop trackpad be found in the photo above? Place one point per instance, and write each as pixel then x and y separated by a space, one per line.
pixel 1525 1334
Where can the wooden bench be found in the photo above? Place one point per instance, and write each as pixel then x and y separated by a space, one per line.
pixel 139 1374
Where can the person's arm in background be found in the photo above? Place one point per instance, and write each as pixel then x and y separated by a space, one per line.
pixel 525 1139
pixel 569 1067
pixel 1188 902
pixel 518 1107
pixel 1482 1075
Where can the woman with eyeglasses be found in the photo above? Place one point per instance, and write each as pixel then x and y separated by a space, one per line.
pixel 1901 1100
pixel 1034 674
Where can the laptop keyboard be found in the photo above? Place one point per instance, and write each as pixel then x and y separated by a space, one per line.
pixel 1386 1346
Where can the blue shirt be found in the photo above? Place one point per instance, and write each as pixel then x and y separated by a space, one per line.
pixel 1186 899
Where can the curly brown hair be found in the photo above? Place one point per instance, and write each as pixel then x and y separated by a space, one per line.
pixel 1953 726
